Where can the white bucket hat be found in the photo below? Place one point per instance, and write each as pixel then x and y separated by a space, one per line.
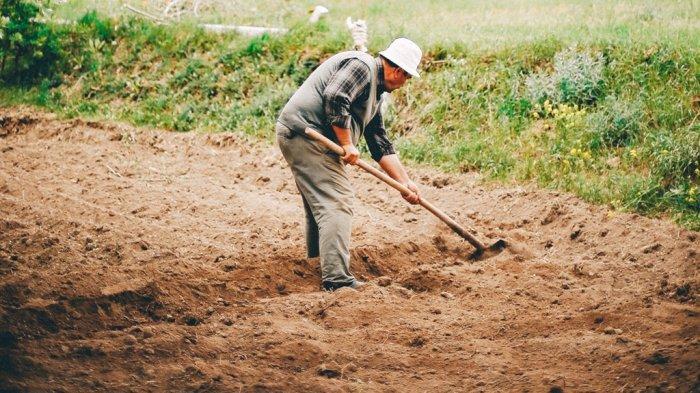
pixel 405 54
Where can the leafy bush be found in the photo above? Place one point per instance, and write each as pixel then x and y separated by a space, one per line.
pixel 257 46
pixel 577 79
pixel 616 123
pixel 29 48
pixel 513 107
pixel 100 28
pixel 677 156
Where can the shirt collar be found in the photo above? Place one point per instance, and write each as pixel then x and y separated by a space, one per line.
pixel 380 77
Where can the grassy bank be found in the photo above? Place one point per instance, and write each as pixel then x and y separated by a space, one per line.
pixel 612 120
pixel 480 25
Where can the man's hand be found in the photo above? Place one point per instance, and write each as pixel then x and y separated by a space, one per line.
pixel 414 197
pixel 351 154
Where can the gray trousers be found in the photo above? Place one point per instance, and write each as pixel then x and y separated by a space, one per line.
pixel 327 196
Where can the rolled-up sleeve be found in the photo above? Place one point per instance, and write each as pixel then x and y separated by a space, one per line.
pixel 377 140
pixel 348 83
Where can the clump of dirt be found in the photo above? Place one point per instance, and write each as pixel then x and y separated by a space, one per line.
pixel 135 259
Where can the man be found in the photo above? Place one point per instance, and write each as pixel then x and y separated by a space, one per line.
pixel 341 99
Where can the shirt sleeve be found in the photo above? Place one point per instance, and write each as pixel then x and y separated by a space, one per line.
pixel 347 84
pixel 377 140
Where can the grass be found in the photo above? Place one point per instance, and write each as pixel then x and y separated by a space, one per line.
pixel 476 24
pixel 627 135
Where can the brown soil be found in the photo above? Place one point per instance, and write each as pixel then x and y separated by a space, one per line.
pixel 140 260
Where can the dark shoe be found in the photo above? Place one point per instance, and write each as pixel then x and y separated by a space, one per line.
pixel 332 286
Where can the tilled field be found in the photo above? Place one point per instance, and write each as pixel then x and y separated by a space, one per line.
pixel 142 260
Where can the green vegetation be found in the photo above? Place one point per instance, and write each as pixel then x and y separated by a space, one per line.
pixel 479 25
pixel 28 50
pixel 611 119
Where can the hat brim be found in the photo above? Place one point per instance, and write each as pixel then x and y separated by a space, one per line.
pixel 413 72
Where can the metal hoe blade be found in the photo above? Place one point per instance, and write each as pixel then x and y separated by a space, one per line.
pixel 488 252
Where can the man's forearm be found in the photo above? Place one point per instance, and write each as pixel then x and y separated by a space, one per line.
pixel 343 135
pixel 344 138
pixel 392 166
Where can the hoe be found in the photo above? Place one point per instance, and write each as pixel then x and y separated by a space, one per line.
pixel 481 251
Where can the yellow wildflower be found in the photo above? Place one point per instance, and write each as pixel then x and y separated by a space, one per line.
pixel 547 107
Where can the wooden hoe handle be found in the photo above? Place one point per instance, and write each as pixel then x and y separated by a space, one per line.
pixel 315 135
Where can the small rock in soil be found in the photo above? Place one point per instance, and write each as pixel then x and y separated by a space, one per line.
pixel 417 342
pixel 447 295
pixel 191 320
pixel 327 372
pixel 219 258
pixel 88 351
pixel 440 244
pixel 190 338
pixel 651 248
pixel 384 281
pixel 405 292
pixel 658 358
pixel 682 292
pixel 130 340
pixel 623 340
pixel 441 182
pixel 230 266
pixel 612 330
pixel 282 289
pixel 147 332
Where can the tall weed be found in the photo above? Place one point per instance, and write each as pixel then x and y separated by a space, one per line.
pixel 576 78
pixel 616 123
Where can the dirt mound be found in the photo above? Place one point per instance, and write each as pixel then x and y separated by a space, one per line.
pixel 140 260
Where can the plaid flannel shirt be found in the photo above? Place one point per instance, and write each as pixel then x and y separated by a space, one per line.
pixel 350 83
